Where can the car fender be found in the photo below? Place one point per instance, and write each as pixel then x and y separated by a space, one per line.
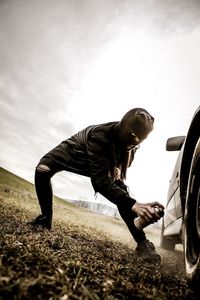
pixel 187 153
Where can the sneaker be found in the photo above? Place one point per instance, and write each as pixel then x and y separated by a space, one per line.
pixel 146 250
pixel 43 221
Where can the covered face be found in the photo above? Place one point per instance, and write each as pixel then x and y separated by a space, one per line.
pixel 134 127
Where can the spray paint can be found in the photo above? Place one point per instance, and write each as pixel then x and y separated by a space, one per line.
pixel 141 223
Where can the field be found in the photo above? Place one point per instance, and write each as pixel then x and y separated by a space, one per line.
pixel 85 256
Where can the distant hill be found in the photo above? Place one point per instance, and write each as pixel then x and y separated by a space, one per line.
pixel 10 179
pixel 98 207
pixel 102 208
pixel 10 182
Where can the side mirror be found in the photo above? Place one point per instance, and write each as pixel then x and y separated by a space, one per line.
pixel 175 143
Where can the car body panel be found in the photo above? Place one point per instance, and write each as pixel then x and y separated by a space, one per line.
pixel 174 211
pixel 174 228
pixel 181 221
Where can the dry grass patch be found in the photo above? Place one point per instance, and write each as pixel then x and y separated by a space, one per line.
pixel 75 260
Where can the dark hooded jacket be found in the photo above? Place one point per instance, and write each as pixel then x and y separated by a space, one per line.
pixel 95 152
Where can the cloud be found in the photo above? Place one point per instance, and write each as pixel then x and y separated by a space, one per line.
pixel 46 50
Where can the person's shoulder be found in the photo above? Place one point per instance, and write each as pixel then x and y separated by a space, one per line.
pixel 102 133
pixel 104 127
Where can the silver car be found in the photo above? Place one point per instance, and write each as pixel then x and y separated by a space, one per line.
pixel 181 222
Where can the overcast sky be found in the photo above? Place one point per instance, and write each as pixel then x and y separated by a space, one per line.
pixel 67 64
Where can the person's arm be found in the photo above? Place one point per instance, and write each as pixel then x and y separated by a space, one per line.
pixel 122 185
pixel 99 154
pixel 116 192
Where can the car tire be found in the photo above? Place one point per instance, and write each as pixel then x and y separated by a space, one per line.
pixel 192 220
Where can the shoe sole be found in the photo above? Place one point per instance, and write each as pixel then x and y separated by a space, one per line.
pixel 155 258
pixel 38 226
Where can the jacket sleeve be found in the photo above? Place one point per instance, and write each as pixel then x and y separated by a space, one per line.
pixel 99 155
pixel 122 185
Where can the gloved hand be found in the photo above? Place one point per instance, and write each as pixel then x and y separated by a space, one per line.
pixel 147 211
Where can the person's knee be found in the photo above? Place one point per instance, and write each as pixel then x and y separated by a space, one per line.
pixel 43 168
pixel 43 174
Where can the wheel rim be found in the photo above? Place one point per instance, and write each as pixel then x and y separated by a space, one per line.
pixel 193 220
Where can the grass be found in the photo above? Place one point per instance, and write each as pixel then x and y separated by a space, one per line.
pixel 85 256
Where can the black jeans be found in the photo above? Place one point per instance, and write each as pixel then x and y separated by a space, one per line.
pixel 43 185
pixel 45 196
